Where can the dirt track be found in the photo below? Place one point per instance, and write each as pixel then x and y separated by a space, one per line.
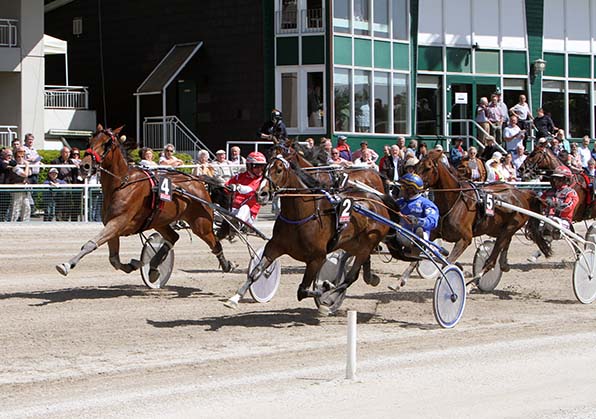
pixel 99 344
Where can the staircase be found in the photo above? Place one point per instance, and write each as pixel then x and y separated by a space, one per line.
pixel 159 131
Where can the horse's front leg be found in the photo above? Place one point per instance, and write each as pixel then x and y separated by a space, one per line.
pixel 269 256
pixel 114 246
pixel 170 238
pixel 503 262
pixel 331 300
pixel 310 274
pixel 404 277
pixel 107 233
pixel 369 277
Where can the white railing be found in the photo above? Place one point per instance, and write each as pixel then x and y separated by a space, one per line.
pixel 7 134
pixel 67 97
pixel 184 140
pixel 286 21
pixel 312 20
pixel 9 33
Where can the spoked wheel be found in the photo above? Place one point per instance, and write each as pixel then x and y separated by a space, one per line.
pixel 449 297
pixel 426 268
pixel 491 279
pixel 150 248
pixel 266 285
pixel 584 277
pixel 591 235
pixel 333 272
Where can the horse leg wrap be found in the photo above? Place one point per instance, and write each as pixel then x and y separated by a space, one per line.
pixel 161 254
pixel 88 247
pixel 225 264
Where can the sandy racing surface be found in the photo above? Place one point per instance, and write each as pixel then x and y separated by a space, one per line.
pixel 99 344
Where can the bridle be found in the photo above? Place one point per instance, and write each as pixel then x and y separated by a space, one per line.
pixel 97 159
pixel 530 168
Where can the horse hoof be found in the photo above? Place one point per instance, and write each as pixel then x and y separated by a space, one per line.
pixel 228 266
pixel 395 287
pixel 231 304
pixel 153 274
pixel 136 264
pixel 324 311
pixel 505 268
pixel 301 294
pixel 63 268
pixel 373 281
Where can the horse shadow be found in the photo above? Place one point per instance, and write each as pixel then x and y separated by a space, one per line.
pixel 385 297
pixel 130 291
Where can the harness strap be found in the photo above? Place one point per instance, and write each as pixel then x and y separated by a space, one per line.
pixel 155 207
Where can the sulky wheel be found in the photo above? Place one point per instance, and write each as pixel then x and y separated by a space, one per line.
pixel 265 286
pixel 584 277
pixel 150 248
pixel 449 298
pixel 489 280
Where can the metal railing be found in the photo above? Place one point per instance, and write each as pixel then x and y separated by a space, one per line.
pixel 67 97
pixel 312 20
pixel 286 21
pixel 9 33
pixel 7 134
pixel 467 133
pixel 184 140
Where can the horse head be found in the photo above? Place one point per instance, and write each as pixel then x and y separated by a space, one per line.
pixel 101 144
pixel 275 177
pixel 539 162
pixel 428 167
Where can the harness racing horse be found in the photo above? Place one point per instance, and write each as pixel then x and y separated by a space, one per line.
pixel 461 213
pixel 543 162
pixel 307 229
pixel 131 205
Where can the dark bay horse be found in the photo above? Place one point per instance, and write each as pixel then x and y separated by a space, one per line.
pixel 542 162
pixel 307 230
pixel 131 205
pixel 462 218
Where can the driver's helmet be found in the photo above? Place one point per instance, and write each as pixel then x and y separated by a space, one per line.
pixel 256 158
pixel 562 172
pixel 275 115
pixel 412 180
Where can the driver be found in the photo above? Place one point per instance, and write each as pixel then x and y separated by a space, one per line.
pixel 559 205
pixel 245 185
pixel 274 129
pixel 417 213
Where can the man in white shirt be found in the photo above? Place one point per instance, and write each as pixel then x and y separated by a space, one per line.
pixel 584 151
pixel 513 135
pixel 519 157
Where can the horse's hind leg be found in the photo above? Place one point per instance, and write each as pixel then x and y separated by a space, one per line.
pixel 170 238
pixel 369 277
pixel 310 273
pixel 114 246
pixel 331 300
pixel 404 277
pixel 64 268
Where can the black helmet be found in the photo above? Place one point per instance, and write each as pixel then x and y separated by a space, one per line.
pixel 275 115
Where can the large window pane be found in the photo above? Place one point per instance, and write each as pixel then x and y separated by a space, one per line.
pixel 342 95
pixel 382 103
pixel 362 100
pixel 553 101
pixel 341 16
pixel 289 99
pixel 381 18
pixel 579 109
pixel 428 105
pixel 400 19
pixel 314 83
pixel 289 14
pixel 361 20
pixel 400 103
pixel 512 88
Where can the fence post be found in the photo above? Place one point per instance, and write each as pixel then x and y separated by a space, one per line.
pixel 86 198
pixel 351 364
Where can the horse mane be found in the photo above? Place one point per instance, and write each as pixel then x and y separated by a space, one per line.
pixel 436 155
pixel 307 179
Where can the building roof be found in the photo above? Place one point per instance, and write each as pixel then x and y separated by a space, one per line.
pixel 169 67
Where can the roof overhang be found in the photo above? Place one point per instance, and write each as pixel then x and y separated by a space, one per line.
pixel 54 46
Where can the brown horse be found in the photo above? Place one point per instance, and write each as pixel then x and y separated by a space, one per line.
pixel 543 161
pixel 307 230
pixel 462 217
pixel 131 205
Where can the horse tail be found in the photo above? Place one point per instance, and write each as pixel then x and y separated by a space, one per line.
pixel 532 230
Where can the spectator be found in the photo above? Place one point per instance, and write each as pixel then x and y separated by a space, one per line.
pixel 490 148
pixel 221 165
pixel 422 150
pixel 21 207
pixel 168 158
pixel 575 160
pixel 401 143
pixel 236 158
pixel 366 160
pixel 513 135
pixel 568 160
pixel 52 196
pixel 482 119
pixel 65 173
pixel 555 146
pixel 494 171
pixel 337 160
pixel 519 157
pixel 274 129
pixel 444 159
pixel 327 146
pixel 508 169
pixel 495 118
pixel 64 207
pixel 147 158
pixel 457 153
pixel 591 170
pixel 563 142
pixel 344 148
pixel 410 165
pixel 522 111
pixel 76 193
pixel 544 124
pixel 584 152
pixel 503 108
pixel 413 146
pixel 6 165
pixel 203 166
pixel 471 167
pixel 33 158
pixel 16 143
pixel 390 166
pixel 364 146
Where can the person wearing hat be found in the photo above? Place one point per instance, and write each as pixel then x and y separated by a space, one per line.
pixel 344 148
pixel 444 158
pixel 364 146
pixel 221 165
pixel 51 196
pixel 494 172
pixel 274 129
pixel 559 204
